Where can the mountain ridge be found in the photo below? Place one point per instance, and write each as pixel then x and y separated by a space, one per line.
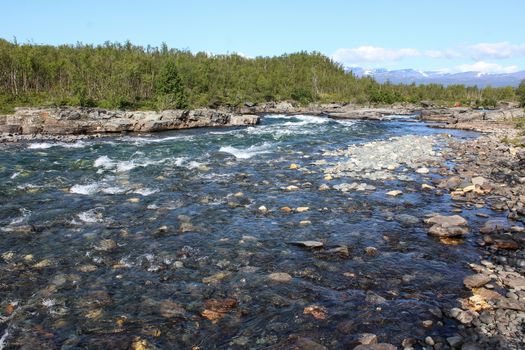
pixel 409 76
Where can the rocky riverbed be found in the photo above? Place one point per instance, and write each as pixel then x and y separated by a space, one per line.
pixel 302 232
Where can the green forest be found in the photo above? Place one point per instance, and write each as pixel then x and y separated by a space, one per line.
pixel 115 75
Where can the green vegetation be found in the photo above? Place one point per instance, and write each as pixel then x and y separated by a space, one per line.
pixel 117 75
pixel 520 93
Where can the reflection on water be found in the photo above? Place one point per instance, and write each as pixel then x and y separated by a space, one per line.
pixel 163 238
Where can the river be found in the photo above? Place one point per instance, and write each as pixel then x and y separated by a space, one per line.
pixel 189 239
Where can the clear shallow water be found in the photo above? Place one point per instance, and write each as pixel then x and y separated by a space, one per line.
pixel 182 236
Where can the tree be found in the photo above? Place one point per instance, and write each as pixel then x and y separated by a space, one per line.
pixel 169 88
pixel 520 93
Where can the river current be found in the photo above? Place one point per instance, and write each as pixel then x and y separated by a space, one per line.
pixel 180 240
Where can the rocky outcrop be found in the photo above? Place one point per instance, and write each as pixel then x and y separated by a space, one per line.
pixel 465 115
pixel 77 120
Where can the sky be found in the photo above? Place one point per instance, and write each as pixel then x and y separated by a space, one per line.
pixel 449 36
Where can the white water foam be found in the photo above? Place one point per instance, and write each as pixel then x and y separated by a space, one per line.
pixel 146 191
pixel 90 216
pixel 22 219
pixel 106 163
pixel 146 140
pixel 46 145
pixel 85 189
pixel 246 153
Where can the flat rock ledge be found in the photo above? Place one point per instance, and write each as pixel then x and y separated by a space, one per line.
pixel 80 121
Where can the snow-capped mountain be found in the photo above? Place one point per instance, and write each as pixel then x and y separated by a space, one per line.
pixel 408 76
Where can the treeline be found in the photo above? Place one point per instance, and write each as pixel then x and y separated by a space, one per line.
pixel 115 75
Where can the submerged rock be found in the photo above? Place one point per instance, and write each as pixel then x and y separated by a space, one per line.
pixel 378 346
pixel 280 277
pixel 308 244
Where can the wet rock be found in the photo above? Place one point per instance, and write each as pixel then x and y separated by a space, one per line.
pixel 372 251
pixel 294 166
pixel 505 243
pixel 170 309
pixel 378 346
pixel 318 312
pixel 429 341
pixel 407 219
pixel 427 323
pixel 286 209
pixel 308 244
pixel 302 209
pixel 215 309
pixel 341 251
pixel 374 298
pixel 465 317
pixel 324 187
pixel 422 170
pixel 307 344
pixel 141 344
pixel 346 327
pixel 345 187
pixel 106 245
pixel 367 338
pixel 291 188
pixel 305 222
pixel 216 278
pixel 447 226
pixel 455 341
pixel 87 268
pixel 280 277
pixel 446 221
pixel 262 209
pixel 451 183
pixel 495 226
pixel 476 281
pixel 43 263
pixel 394 193
pixel 187 227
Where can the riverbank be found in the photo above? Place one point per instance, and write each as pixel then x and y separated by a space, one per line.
pixel 488 177
pixel 65 124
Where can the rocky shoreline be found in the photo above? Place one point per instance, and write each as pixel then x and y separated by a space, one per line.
pixel 488 174
pixel 66 124
pixel 69 123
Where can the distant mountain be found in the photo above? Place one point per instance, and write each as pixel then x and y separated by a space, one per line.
pixel 409 76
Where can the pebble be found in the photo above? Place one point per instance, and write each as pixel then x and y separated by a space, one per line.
pixel 422 170
pixel 286 209
pixel 302 209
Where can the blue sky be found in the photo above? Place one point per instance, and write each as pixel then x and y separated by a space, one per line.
pixel 458 35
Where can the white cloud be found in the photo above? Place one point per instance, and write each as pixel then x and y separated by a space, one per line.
pixel 500 50
pixel 485 67
pixel 372 54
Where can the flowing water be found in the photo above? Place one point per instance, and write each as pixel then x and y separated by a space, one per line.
pixel 183 210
